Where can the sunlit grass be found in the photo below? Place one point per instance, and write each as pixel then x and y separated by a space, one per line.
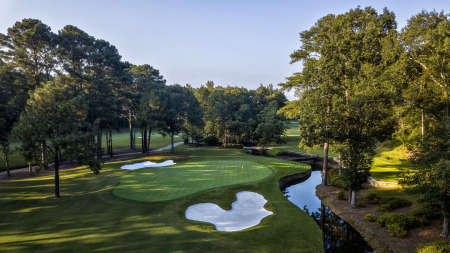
pixel 390 161
pixel 89 218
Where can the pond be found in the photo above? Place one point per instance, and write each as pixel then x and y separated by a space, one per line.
pixel 338 235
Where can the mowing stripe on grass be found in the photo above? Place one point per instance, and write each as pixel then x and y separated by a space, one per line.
pixel 166 183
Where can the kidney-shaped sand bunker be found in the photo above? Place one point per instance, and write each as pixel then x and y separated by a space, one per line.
pixel 247 211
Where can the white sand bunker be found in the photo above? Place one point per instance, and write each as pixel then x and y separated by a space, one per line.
pixel 247 211
pixel 147 164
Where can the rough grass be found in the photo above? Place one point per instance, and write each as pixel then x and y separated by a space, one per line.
pixel 389 162
pixel 121 139
pixel 89 218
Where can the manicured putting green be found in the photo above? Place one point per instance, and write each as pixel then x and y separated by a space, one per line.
pixel 185 178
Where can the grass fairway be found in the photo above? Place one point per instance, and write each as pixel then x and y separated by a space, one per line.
pixel 390 161
pixel 90 218
pixel 187 177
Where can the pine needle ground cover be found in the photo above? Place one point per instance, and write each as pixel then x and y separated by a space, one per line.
pixel 90 218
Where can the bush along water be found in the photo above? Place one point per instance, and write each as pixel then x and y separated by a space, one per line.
pixel 397 224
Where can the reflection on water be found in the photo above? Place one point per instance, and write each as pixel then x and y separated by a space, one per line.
pixel 338 235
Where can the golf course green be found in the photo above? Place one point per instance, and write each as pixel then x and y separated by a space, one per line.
pixel 90 217
pixel 187 177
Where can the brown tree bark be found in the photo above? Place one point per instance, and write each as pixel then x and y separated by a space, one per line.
pixel 44 159
pixel 5 159
pixel 149 138
pixel 130 127
pixel 99 145
pixel 353 199
pixel 172 148
pixel 57 172
pixel 325 165
pixel 444 232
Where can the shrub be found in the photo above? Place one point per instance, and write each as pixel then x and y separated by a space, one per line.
pixel 396 230
pixel 397 224
pixel 392 204
pixel 434 247
pixel 338 182
pixel 361 204
pixel 372 198
pixel 395 218
pixel 370 217
pixel 341 195
pixel 211 141
pixel 429 212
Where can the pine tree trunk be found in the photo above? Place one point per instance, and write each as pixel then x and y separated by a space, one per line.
pixel 340 164
pixel 144 140
pixel 5 159
pixel 325 164
pixel 353 201
pixel 110 144
pixel 444 232
pixel 149 138
pixel 172 148
pixel 44 159
pixel 99 145
pixel 57 172
pixel 130 126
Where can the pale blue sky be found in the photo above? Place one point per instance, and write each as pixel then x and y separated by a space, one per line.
pixel 242 43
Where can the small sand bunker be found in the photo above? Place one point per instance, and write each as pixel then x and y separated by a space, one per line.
pixel 247 211
pixel 147 164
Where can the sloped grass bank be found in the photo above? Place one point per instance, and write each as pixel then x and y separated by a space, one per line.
pixel 389 162
pixel 89 218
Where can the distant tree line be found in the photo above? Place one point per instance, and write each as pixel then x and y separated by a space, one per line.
pixel 363 81
pixel 235 115
pixel 62 94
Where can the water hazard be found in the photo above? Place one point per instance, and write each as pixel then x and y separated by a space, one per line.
pixel 338 235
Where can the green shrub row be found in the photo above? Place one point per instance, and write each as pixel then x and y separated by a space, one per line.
pixel 386 204
pixel 397 224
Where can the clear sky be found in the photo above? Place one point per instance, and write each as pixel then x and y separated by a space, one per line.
pixel 232 42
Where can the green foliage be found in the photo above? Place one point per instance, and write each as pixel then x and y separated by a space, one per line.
pixel 240 116
pixel 389 204
pixel 343 92
pixel 270 126
pixel 397 224
pixel 372 198
pixel 370 217
pixel 434 247
pixel 396 230
pixel 425 99
pixel 341 195
pixel 56 117
pixel 426 211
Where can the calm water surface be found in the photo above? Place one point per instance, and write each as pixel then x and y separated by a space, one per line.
pixel 338 235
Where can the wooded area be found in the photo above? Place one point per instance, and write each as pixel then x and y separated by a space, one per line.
pixel 61 93
pixel 363 82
